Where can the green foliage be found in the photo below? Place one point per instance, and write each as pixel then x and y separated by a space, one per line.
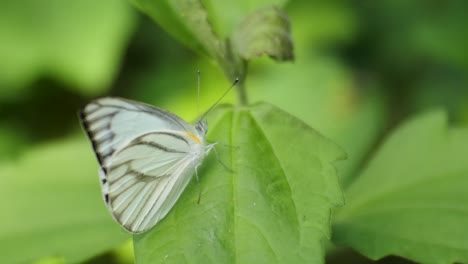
pixel 333 105
pixel 266 31
pixel 271 208
pixel 11 142
pixel 436 32
pixel 200 25
pixel 79 43
pixel 188 20
pixel 54 206
pixel 411 199
pixel 359 70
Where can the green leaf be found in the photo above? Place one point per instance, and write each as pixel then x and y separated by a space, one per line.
pixel 411 200
pixel 79 43
pixel 53 207
pixel 187 20
pixel 324 94
pixel 264 32
pixel 201 25
pixel 273 208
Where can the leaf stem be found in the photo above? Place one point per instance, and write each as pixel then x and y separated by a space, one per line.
pixel 241 94
pixel 241 91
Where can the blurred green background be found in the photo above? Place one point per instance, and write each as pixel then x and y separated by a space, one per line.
pixel 360 68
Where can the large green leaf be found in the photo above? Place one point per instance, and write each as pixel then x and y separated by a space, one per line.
pixel 321 90
pixel 77 42
pixel 411 200
pixel 273 208
pixel 52 206
pixel 324 94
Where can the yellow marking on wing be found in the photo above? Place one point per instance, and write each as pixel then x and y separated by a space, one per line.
pixel 195 138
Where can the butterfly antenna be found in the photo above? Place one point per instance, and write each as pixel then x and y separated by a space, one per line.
pixel 216 103
pixel 198 92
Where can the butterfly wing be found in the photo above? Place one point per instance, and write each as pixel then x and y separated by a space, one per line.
pixel 112 122
pixel 146 178
pixel 147 156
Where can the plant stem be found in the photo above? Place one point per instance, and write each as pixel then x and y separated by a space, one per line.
pixel 241 91
pixel 241 94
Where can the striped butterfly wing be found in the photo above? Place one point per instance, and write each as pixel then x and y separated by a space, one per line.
pixel 112 122
pixel 146 177
pixel 147 156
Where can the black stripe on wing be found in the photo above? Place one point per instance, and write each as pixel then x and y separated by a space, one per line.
pixel 103 140
pixel 139 141
pixel 98 115
pixel 133 195
pixel 172 135
pixel 120 170
pixel 144 140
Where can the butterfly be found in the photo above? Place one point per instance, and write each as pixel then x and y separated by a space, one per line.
pixel 147 157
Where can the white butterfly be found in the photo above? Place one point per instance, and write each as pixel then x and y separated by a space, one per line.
pixel 147 157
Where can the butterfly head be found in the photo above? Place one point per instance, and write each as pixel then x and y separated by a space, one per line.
pixel 202 127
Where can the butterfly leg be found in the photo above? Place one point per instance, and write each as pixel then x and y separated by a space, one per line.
pixel 223 144
pixel 219 160
pixel 198 182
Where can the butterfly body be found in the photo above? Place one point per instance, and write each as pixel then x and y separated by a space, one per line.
pixel 147 157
